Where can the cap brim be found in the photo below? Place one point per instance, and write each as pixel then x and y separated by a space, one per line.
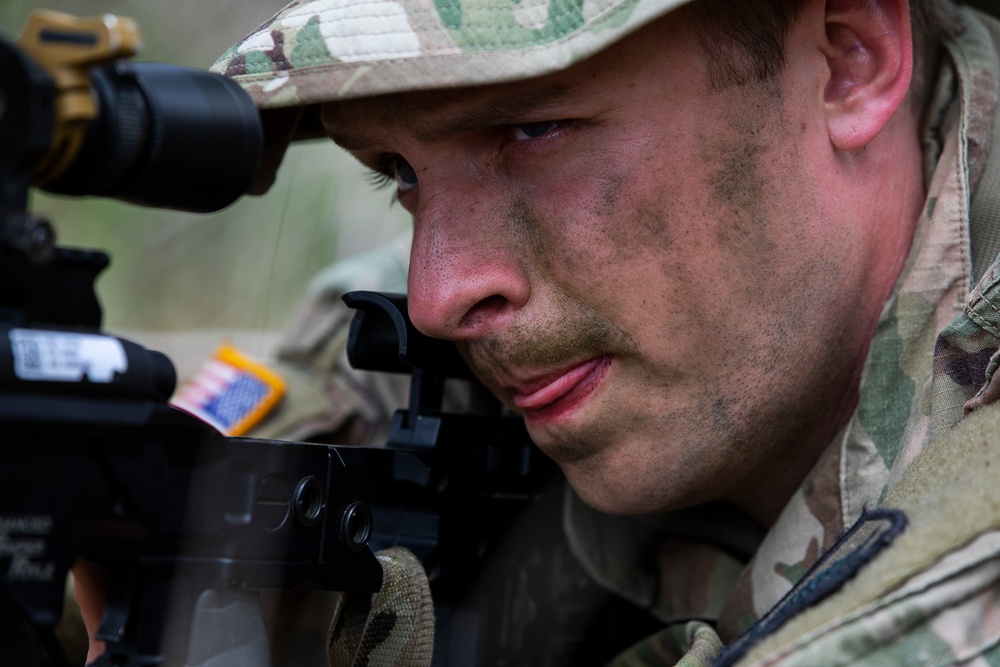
pixel 325 50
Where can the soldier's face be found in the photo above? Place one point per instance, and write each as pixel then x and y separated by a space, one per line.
pixel 652 272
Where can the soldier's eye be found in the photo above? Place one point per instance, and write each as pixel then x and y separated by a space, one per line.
pixel 526 131
pixel 404 174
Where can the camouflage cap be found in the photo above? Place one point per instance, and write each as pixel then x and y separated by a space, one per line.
pixel 315 51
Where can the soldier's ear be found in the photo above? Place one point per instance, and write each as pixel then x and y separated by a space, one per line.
pixel 869 53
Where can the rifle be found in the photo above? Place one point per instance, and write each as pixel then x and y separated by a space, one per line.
pixel 179 518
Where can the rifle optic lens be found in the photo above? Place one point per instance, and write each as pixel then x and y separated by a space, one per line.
pixel 168 137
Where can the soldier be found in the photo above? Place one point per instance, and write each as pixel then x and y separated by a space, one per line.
pixel 735 265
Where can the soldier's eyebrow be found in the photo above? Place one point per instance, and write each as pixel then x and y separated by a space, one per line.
pixel 496 110
pixel 429 122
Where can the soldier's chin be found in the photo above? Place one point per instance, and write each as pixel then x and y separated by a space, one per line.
pixel 606 495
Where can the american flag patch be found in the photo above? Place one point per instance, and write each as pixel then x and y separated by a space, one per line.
pixel 230 391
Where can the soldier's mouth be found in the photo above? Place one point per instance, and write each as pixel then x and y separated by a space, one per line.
pixel 556 395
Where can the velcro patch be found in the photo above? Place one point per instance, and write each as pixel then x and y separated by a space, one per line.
pixel 230 391
pixel 870 535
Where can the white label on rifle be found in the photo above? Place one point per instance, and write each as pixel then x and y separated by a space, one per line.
pixel 22 540
pixel 57 356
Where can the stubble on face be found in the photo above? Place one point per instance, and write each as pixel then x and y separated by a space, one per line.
pixel 741 183
pixel 642 228
pixel 799 361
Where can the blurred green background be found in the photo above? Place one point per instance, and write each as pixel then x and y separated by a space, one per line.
pixel 181 282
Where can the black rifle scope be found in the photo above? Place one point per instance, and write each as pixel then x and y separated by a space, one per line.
pixel 83 120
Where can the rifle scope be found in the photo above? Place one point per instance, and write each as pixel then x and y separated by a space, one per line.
pixel 83 120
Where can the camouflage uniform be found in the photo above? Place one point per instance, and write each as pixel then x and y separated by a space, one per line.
pixel 327 400
pixel 888 552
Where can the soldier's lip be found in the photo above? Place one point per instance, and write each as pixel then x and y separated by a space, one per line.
pixel 556 392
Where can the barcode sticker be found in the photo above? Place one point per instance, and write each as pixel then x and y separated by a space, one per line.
pixel 58 356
